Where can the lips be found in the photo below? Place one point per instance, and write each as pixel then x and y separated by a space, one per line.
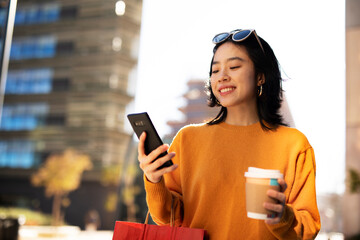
pixel 226 90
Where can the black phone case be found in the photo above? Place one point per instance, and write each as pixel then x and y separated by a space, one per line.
pixel 140 123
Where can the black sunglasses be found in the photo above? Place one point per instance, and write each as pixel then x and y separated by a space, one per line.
pixel 237 36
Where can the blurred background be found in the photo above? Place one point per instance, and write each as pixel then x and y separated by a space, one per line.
pixel 72 70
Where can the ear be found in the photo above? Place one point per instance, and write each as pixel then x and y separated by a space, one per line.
pixel 260 79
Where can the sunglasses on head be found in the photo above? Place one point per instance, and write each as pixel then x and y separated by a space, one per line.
pixel 237 36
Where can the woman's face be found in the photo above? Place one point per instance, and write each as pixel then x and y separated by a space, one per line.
pixel 233 76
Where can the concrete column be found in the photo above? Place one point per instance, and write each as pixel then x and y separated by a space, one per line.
pixel 351 201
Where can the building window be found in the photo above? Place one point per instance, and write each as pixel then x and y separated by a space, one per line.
pixel 23 116
pixel 17 154
pixel 3 17
pixel 60 84
pixel 65 47
pixel 58 120
pixel 34 14
pixel 69 12
pixel 29 81
pixel 33 47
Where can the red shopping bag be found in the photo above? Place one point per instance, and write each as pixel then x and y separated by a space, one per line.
pixel 138 231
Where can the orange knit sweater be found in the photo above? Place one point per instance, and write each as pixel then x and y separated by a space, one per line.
pixel 208 187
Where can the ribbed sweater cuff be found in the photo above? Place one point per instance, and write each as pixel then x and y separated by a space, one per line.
pixel 156 191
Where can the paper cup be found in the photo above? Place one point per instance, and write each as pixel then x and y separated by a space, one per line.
pixel 258 182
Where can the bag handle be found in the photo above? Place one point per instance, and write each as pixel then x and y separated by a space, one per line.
pixel 147 217
pixel 172 215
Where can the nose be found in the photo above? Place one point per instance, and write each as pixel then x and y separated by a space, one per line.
pixel 223 76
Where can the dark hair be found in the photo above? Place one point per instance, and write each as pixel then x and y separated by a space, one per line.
pixel 268 104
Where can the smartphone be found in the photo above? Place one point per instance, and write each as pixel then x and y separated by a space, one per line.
pixel 140 123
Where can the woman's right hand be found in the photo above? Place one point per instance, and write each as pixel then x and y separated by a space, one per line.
pixel 147 163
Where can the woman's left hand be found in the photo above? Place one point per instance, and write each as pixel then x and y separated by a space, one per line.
pixel 279 207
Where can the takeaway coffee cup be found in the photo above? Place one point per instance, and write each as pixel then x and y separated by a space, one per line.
pixel 258 182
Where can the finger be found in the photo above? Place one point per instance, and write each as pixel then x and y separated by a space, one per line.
pixel 155 176
pixel 283 185
pixel 277 208
pixel 154 154
pixel 277 195
pixel 149 166
pixel 159 162
pixel 141 148
pixel 273 220
pixel 149 159
pixel 167 169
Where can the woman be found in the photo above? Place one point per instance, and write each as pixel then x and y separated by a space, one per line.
pixel 206 186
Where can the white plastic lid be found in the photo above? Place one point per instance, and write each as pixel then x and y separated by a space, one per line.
pixel 263 173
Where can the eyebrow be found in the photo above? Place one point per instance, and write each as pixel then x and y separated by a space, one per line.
pixel 231 59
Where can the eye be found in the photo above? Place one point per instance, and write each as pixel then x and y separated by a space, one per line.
pixel 234 67
pixel 215 71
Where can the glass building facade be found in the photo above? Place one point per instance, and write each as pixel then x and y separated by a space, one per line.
pixel 67 86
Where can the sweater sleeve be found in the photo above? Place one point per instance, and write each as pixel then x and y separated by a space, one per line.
pixel 301 218
pixel 165 195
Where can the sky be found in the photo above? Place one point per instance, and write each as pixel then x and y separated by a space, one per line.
pixel 308 38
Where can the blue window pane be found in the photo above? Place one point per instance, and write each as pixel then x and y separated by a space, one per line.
pixel 2 153
pixel 20 16
pixel 27 160
pixel 2 146
pixel 27 152
pixel 16 123
pixel 39 85
pixel 30 123
pixel 22 84
pixel 29 81
pixel 42 15
pixel 24 116
pixel 32 14
pixel 11 159
pixel 29 48
pixel 7 123
pixel 45 47
pixel 48 46
pixel 2 159
pixel 10 84
pixel 15 52
pixel 6 114
pixel 39 47
pixel 17 154
pixel 43 80
pixel 3 16
pixel 47 85
pixel 50 12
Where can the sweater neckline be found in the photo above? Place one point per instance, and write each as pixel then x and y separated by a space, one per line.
pixel 255 127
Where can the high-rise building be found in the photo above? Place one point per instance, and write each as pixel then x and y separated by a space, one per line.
pixel 71 68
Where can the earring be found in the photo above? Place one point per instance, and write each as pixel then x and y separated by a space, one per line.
pixel 260 91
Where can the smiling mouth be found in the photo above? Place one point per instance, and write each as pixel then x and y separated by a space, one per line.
pixel 225 90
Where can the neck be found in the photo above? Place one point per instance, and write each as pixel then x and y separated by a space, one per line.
pixel 242 116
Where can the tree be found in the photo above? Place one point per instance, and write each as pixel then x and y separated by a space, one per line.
pixel 354 181
pixel 61 174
